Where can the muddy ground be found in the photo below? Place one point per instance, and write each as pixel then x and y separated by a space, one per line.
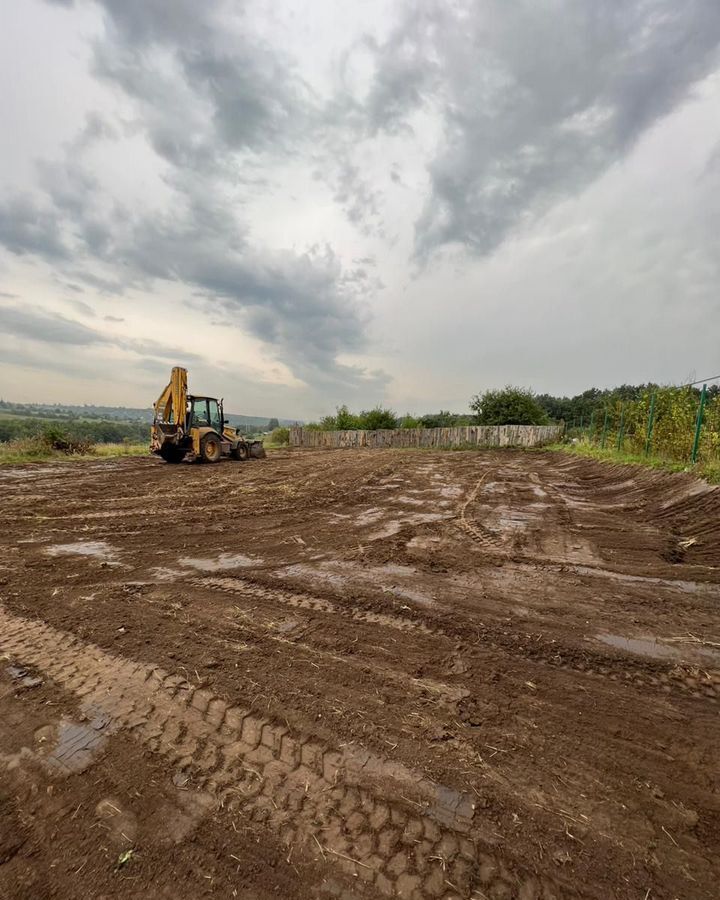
pixel 359 674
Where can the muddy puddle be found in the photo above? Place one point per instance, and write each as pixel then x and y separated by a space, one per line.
pixel 392 579
pixel 423 542
pixel 71 745
pixel 394 525
pixel 689 587
pixel 23 677
pixel 689 650
pixel 220 563
pixel 77 744
pixel 447 806
pixel 370 516
pixel 100 550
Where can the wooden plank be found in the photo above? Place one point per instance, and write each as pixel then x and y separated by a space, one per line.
pixel 458 436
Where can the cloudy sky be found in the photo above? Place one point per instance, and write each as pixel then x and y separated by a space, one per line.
pixel 310 202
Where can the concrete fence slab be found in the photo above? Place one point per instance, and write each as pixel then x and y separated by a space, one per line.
pixel 460 436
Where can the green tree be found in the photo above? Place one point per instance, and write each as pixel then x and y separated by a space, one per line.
pixel 272 425
pixel 374 419
pixel 509 406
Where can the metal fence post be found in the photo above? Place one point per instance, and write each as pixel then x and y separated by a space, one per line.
pixel 651 422
pixel 604 431
pixel 621 429
pixel 698 424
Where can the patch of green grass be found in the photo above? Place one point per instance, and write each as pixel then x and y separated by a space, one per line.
pixel 710 471
pixel 31 450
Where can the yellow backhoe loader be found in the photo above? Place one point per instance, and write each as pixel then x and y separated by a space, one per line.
pixel 187 426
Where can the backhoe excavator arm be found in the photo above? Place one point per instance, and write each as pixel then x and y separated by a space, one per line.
pixel 171 405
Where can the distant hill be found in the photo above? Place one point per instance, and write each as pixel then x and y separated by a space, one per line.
pixel 90 412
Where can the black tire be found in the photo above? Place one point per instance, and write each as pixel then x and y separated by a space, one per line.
pixel 211 448
pixel 173 454
pixel 240 451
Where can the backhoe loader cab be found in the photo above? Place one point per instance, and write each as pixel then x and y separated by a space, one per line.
pixel 189 426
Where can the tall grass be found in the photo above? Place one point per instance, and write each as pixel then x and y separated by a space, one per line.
pixel 673 429
pixel 34 449
pixel 673 432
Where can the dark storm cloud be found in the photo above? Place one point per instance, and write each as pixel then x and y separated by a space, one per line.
pixel 210 98
pixel 30 227
pixel 360 201
pixel 204 88
pixel 37 324
pixel 536 98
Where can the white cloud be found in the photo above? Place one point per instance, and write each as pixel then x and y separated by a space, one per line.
pixel 400 203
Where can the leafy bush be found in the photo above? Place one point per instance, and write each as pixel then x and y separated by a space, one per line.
pixel 280 435
pixel 378 418
pixel 344 420
pixel 510 406
pixel 54 438
pixel 444 419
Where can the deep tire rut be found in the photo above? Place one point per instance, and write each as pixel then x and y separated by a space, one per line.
pixel 301 600
pixel 372 818
pixel 701 684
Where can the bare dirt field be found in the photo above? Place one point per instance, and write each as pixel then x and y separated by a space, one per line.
pixel 359 674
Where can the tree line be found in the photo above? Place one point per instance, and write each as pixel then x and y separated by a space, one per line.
pixel 93 432
pixel 506 406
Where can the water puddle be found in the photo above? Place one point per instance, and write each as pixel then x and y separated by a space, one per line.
pixel 394 525
pixel 410 501
pixel 690 651
pixel 690 587
pixel 370 516
pixel 386 531
pixel 512 519
pixel 78 743
pixel 285 626
pixel 451 491
pixel 95 549
pixel 23 677
pixel 342 575
pixel 394 569
pixel 452 808
pixel 221 563
pixel 422 542
pixel 300 570
pixel 414 596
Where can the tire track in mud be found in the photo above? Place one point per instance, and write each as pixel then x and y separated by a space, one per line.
pixel 301 600
pixel 700 683
pixel 482 535
pixel 370 817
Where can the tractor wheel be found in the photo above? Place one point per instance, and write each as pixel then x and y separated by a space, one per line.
pixel 172 454
pixel 240 451
pixel 210 448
